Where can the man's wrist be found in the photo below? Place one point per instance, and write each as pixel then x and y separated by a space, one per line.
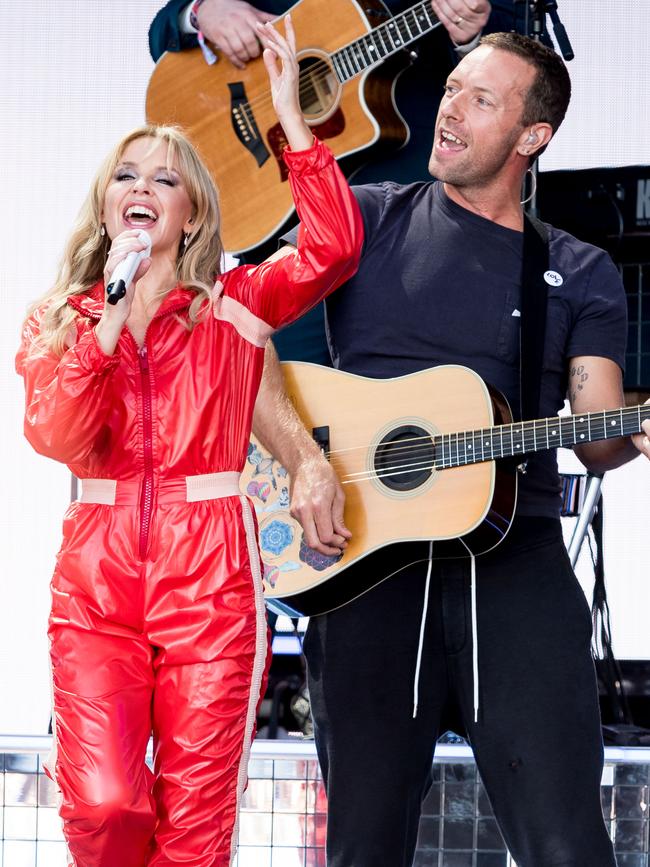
pixel 304 454
pixel 194 9
pixel 187 17
pixel 464 49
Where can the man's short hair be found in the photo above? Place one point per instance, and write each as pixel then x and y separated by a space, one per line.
pixel 548 97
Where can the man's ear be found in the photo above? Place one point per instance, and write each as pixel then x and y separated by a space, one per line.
pixel 533 138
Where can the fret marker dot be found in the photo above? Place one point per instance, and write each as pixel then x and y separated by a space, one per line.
pixel 582 436
pixel 613 423
pixel 553 432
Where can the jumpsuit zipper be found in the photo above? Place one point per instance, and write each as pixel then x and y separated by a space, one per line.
pixel 146 497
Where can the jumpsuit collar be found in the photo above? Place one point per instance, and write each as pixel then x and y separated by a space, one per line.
pixel 91 302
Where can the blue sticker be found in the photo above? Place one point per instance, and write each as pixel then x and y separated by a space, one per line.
pixel 276 537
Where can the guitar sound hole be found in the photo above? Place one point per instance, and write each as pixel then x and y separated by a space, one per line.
pixel 319 87
pixel 404 458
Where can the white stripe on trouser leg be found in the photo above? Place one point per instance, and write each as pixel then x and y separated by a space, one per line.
pixel 423 621
pixel 258 664
pixel 474 632
pixel 53 756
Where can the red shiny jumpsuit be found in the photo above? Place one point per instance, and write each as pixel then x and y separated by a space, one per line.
pixel 157 619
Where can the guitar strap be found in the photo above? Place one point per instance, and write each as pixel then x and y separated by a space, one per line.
pixel 534 295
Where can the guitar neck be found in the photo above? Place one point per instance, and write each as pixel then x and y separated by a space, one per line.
pixel 509 440
pixel 383 40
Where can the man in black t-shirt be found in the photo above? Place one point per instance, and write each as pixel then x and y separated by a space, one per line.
pixel 505 635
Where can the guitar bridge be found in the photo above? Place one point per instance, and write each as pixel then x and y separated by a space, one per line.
pixel 244 124
pixel 321 436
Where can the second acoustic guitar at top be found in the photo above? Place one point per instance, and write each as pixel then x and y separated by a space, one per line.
pixel 349 59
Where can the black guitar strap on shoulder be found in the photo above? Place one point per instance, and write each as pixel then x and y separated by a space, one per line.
pixel 534 297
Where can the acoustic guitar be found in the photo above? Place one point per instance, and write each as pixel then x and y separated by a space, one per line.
pixel 419 457
pixel 348 56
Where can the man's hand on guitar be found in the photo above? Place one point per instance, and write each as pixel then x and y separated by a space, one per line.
pixel 642 440
pixel 317 502
pixel 231 25
pixel 463 19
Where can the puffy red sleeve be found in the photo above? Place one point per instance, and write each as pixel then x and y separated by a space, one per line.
pixel 330 239
pixel 66 397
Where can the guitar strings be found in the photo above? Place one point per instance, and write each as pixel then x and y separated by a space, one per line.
pixel 422 465
pixel 411 445
pixel 305 80
pixel 529 427
pixel 325 69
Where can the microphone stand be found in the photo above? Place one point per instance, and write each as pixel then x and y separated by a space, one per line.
pixel 535 27
pixel 559 31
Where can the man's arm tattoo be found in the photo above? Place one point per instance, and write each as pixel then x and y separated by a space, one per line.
pixel 578 376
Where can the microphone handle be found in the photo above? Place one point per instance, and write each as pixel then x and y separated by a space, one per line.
pixel 124 273
pixel 115 291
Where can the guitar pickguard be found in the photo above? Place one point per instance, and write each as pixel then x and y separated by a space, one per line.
pixel 330 128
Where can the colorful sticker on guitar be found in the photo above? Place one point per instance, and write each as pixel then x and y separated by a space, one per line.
pixel 263 465
pixel 261 490
pixel 315 559
pixel 276 537
pixel 271 575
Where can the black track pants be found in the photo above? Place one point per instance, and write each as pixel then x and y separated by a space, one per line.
pixel 537 741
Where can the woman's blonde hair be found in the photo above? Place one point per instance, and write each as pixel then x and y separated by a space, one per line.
pixel 198 262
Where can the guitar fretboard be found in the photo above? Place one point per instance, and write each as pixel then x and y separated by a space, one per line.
pixel 383 40
pixel 508 440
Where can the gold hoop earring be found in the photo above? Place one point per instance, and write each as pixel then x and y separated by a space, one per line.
pixel 533 183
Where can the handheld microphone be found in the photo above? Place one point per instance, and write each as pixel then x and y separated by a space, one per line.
pixel 123 274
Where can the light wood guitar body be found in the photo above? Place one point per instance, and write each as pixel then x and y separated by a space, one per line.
pixel 360 414
pixel 417 456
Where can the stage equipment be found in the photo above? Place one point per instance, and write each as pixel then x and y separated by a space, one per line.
pixel 610 207
pixel 582 499
pixel 535 12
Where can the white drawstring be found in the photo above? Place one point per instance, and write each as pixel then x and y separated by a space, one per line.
pixel 425 606
pixel 474 633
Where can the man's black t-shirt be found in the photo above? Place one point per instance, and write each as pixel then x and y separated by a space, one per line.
pixel 438 284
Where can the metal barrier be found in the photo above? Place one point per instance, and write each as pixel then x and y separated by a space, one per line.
pixel 283 815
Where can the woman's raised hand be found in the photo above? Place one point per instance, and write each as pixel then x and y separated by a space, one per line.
pixel 284 75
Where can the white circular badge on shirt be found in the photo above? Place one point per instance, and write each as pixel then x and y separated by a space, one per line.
pixel 553 278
